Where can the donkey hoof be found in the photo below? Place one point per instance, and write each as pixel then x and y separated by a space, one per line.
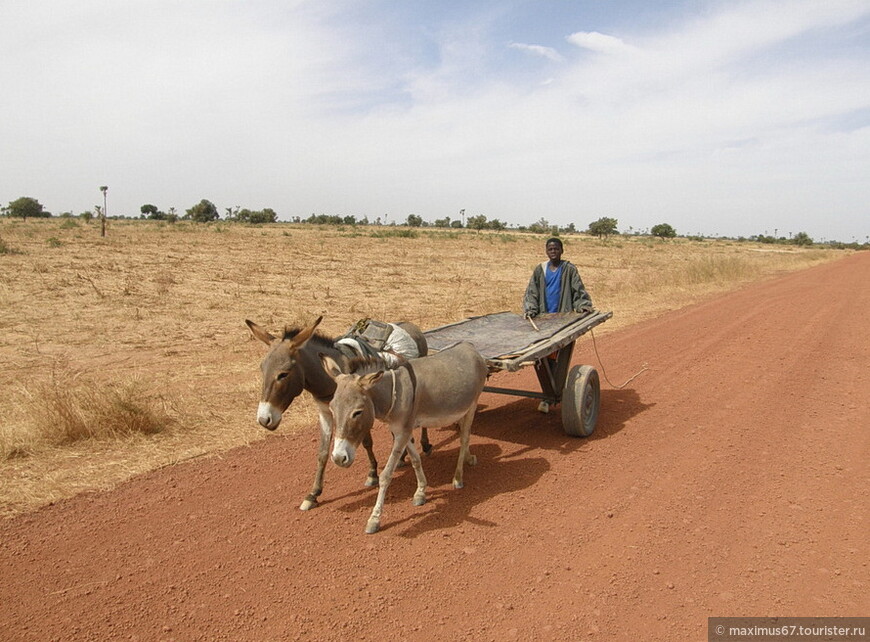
pixel 458 484
pixel 419 500
pixel 308 504
pixel 371 481
pixel 372 527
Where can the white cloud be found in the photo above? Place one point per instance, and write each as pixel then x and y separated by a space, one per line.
pixel 545 52
pixel 599 42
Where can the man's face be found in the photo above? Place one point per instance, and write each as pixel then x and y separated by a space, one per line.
pixel 554 252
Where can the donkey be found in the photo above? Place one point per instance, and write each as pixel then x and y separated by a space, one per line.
pixel 437 390
pixel 292 365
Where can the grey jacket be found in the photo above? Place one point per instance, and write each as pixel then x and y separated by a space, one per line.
pixel 573 296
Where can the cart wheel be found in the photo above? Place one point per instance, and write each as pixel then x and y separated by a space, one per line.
pixel 580 401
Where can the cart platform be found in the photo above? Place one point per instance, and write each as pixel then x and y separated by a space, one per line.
pixel 509 341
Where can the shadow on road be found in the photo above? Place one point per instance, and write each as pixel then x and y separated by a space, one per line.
pixel 520 422
pixel 505 439
pixel 447 507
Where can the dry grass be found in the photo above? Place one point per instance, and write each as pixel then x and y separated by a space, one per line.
pixel 141 335
pixel 70 407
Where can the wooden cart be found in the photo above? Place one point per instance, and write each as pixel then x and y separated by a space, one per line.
pixel 509 341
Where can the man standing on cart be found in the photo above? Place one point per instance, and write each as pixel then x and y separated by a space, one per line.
pixel 555 285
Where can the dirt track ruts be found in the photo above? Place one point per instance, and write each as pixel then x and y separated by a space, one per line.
pixel 730 478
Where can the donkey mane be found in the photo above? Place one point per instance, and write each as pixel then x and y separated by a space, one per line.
pixel 317 338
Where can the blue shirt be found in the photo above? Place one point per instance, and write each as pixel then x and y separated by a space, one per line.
pixel 553 283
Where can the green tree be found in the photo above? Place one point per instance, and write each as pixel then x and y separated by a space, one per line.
pixel 266 215
pixel 603 227
pixel 663 230
pixel 244 215
pixel 24 207
pixel 802 238
pixel 325 219
pixel 477 222
pixel 457 224
pixel 152 212
pixel 203 212
pixel 414 220
pixel 541 226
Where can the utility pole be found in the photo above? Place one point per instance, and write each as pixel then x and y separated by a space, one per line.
pixel 103 189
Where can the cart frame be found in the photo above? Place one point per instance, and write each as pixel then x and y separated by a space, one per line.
pixel 551 357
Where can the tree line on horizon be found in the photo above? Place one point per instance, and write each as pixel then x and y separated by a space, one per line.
pixel 205 212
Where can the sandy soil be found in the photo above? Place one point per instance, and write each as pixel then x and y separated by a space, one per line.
pixel 730 478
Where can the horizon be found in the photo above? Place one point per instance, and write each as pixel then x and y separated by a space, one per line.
pixel 777 236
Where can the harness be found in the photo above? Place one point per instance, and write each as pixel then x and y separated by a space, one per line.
pixel 413 378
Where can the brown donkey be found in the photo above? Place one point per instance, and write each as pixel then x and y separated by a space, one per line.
pixel 292 365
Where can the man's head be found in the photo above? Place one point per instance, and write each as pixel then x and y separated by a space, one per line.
pixel 554 249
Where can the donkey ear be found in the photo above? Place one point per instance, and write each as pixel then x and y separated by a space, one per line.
pixel 369 380
pixel 260 332
pixel 304 335
pixel 330 365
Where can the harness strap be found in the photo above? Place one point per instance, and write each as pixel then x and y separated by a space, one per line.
pixel 392 395
pixel 412 376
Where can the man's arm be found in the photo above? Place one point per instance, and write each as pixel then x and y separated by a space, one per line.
pixel 531 302
pixel 579 296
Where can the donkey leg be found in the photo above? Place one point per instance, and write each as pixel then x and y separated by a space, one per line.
pixel 425 446
pixel 402 463
pixel 465 457
pixel 416 462
pixel 399 444
pixel 325 420
pixel 372 478
pixel 424 441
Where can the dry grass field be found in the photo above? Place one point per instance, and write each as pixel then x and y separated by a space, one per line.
pixel 122 354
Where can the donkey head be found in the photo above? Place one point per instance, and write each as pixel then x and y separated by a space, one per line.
pixel 352 410
pixel 283 376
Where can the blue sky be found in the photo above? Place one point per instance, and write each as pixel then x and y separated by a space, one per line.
pixel 731 118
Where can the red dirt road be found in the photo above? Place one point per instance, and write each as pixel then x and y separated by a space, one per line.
pixel 730 479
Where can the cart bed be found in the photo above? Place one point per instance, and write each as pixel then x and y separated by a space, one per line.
pixel 508 341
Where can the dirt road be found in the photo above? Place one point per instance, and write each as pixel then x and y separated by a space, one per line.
pixel 730 478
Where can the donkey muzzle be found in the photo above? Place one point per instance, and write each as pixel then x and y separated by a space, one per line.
pixel 343 453
pixel 268 416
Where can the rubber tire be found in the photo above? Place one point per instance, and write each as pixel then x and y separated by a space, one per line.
pixel 581 401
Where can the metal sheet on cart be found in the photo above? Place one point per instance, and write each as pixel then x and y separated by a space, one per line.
pixel 509 341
